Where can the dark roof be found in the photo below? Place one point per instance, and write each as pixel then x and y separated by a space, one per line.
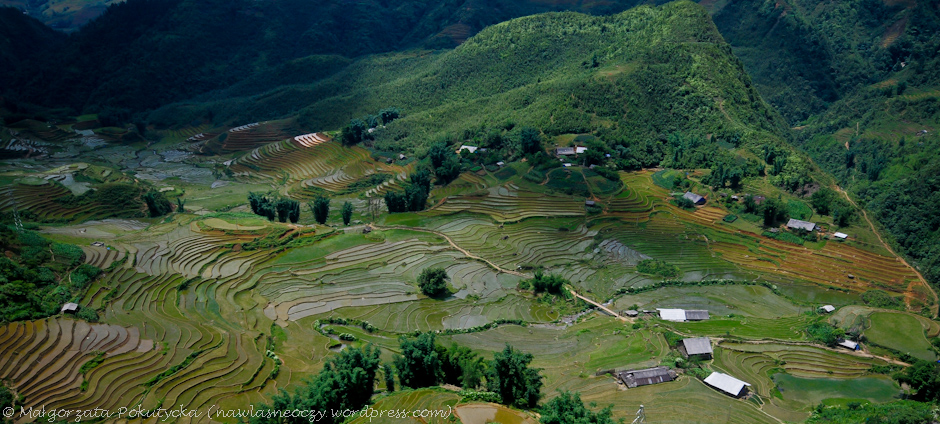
pixel 698 346
pixel 645 377
pixel 632 313
pixel 696 315
pixel 564 151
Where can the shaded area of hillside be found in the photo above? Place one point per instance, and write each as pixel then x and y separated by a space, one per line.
pixel 145 53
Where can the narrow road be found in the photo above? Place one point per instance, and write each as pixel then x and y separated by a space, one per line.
pixel 601 307
pixel 909 295
pixel 454 245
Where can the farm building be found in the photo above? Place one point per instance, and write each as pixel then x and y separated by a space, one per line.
pixel 848 344
pixel 631 313
pixel 645 377
pixel 727 384
pixel 695 198
pixel 98 244
pixel 827 308
pixel 700 347
pixel 564 151
pixel 681 315
pixel 696 315
pixel 840 236
pixel 580 149
pixel 470 149
pixel 672 314
pixel 589 203
pixel 796 224
pixel 70 308
pixel 500 163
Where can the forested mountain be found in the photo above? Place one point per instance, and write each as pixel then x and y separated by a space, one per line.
pixel 182 48
pixel 22 37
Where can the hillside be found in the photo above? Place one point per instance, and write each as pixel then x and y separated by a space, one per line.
pixel 21 38
pixel 625 76
pixel 64 15
pixel 182 48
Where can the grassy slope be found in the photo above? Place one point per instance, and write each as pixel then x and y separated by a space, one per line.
pixel 659 71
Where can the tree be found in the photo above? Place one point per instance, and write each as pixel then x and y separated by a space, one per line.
pixel 389 374
pixel 396 201
pixel 924 378
pixel 529 140
pixel 433 282
pixel 294 214
pixel 461 366
pixel 774 211
pixel 568 408
pixel 438 153
pixel 354 132
pixel 180 205
pixel 389 114
pixel 157 203
pixel 448 171
pixel 822 200
pixel 510 377
pixel 347 381
pixel 347 212
pixel 321 209
pixel 284 208
pixel 419 364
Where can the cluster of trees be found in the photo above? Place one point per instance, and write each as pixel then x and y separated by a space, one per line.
pixel 827 202
pixel 415 196
pixel 357 130
pixel 444 162
pixel 825 333
pixel 552 284
pixel 422 363
pixel 346 382
pixel 40 277
pixel 772 209
pixel 657 267
pixel 433 282
pixel 157 203
pixel 272 207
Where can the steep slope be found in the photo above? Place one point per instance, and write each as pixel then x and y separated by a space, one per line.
pixel 806 54
pixel 145 53
pixel 21 37
pixel 636 77
pixel 64 15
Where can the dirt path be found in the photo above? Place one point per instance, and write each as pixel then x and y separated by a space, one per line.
pixel 454 245
pixel 601 307
pixel 909 294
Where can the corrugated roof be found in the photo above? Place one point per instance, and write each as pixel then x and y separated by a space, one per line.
pixel 564 151
pixel 672 314
pixel 696 315
pixel 698 346
pixel 470 149
pixel 828 308
pixel 726 383
pixel 804 225
pixel 693 197
pixel 849 344
pixel 70 307
pixel 645 377
pixel 841 235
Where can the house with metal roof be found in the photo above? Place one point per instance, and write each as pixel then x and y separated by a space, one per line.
pixel 727 384
pixel 840 236
pixel 700 347
pixel 848 344
pixel 696 315
pixel 645 377
pixel 589 203
pixel 677 315
pixel 827 308
pixel 695 198
pixel 564 151
pixel 796 224
pixel 70 308
pixel 470 149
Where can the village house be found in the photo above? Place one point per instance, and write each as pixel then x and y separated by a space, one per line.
pixel 635 378
pixel 70 308
pixel 796 224
pixel 827 308
pixel 727 384
pixel 698 347
pixel 564 151
pixel 695 198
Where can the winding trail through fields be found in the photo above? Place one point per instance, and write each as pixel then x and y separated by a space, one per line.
pixel 454 245
pixel 909 294
pixel 601 307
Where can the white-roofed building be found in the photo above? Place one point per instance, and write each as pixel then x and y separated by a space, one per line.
pixel 848 344
pixel 70 308
pixel 564 151
pixel 677 315
pixel 695 198
pixel 828 308
pixel 470 149
pixel 841 236
pixel 580 149
pixel 727 384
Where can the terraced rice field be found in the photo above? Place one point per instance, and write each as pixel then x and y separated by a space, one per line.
pixel 509 203
pixel 901 332
pixel 41 200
